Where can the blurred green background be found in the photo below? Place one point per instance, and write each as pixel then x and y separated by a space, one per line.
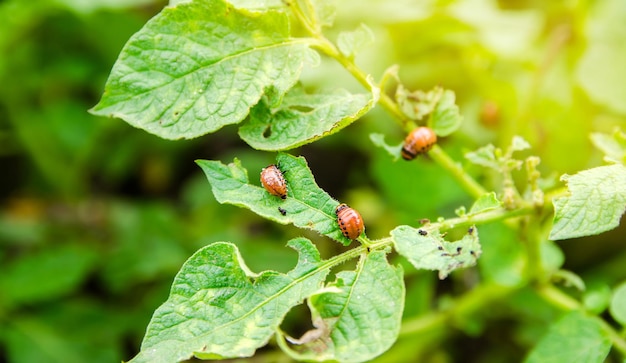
pixel 96 217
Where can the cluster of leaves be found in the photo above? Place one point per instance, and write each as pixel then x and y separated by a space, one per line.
pixel 201 65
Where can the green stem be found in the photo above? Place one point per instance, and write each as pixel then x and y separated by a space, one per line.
pixel 363 78
pixel 565 302
pixel 474 300
pixel 488 216
pixel 437 154
pixel 467 182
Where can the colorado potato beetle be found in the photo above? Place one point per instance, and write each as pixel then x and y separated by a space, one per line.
pixel 419 141
pixel 273 181
pixel 349 221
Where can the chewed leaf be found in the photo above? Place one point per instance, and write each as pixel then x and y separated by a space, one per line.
pixel 350 43
pixel 379 140
pixel 357 317
pixel 485 202
pixel 426 249
pixel 217 308
pixel 306 206
pixel 613 146
pixel 485 156
pixel 303 118
pixel 418 104
pixel 596 202
pixel 446 117
pixel 200 65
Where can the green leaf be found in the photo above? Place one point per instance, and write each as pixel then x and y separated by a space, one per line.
pixel 596 202
pixel 417 104
pixel 256 5
pixel 503 260
pixel 596 71
pixel 306 206
pixel 28 279
pixel 484 156
pixel 445 118
pixel 598 298
pixel 325 11
pixel 518 144
pixel 613 146
pixel 485 202
pixel 379 140
pixel 217 308
pixel 618 304
pixel 302 118
pixel 569 279
pixel 357 317
pixel 201 65
pixel 93 5
pixel 574 338
pixel 426 249
pixel 350 43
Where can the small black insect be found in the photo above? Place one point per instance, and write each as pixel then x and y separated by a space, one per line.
pixel 470 230
pixel 422 232
pixel 282 211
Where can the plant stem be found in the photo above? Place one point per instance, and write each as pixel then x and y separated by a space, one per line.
pixel 467 182
pixel 488 216
pixel 563 301
pixel 474 300
pixel 440 156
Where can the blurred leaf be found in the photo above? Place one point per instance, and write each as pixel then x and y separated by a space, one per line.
pixel 350 43
pixel 484 156
pixel 445 118
pixel 613 146
pixel 192 83
pixel 303 118
pixel 519 144
pixel 325 11
pixel 569 279
pixel 574 338
pixel 64 331
pixel 148 244
pixel 597 299
pixel 219 309
pixel 45 275
pixel 418 104
pixel 379 140
pixel 618 304
pixel 596 202
pixel 503 259
pixel 596 71
pixel 306 206
pixel 87 6
pixel 416 189
pixel 485 202
pixel 426 249
pixel 506 33
pixel 357 317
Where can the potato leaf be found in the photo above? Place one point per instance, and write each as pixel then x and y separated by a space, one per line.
pixel 200 65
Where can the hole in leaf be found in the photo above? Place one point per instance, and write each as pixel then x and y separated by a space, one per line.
pixel 268 131
pixel 301 108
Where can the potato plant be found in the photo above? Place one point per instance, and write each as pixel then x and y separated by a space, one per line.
pixel 199 66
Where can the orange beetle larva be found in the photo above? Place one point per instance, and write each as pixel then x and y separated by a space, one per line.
pixel 350 221
pixel 419 141
pixel 273 181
